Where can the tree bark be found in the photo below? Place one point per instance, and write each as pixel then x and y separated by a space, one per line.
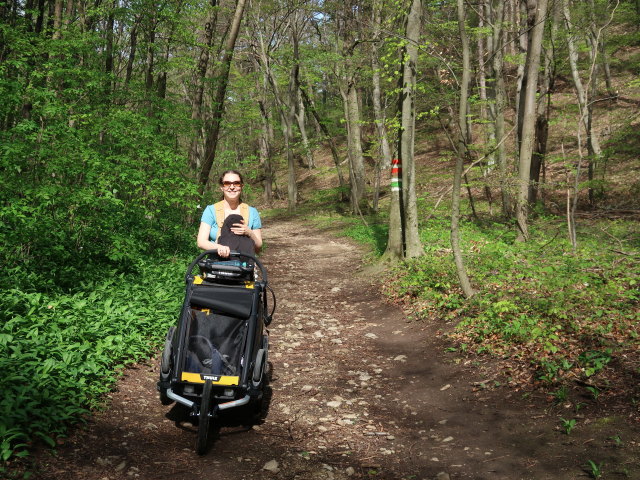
pixel 213 127
pixel 406 144
pixel 525 14
pixel 133 45
pixel 383 159
pixel 462 154
pixel 329 139
pixel 498 106
pixel 150 63
pixel 57 20
pixel 108 63
pixel 354 144
pixel 543 111
pixel 586 107
pixel 286 123
pixel 528 123
pixel 484 46
pixel 395 247
pixel 200 79
pixel 301 120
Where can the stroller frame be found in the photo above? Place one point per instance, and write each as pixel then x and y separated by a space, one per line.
pixel 229 296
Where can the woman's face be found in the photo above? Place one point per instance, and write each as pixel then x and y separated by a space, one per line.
pixel 231 186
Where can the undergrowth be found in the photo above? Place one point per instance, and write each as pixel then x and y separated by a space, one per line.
pixel 60 352
pixel 554 314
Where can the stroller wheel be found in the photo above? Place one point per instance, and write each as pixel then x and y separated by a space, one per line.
pixel 164 399
pixel 165 362
pixel 203 419
pixel 165 368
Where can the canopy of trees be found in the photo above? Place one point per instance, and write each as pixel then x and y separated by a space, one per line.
pixel 116 115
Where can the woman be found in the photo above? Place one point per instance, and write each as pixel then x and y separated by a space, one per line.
pixel 214 216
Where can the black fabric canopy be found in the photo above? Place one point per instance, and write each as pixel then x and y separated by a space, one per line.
pixel 235 301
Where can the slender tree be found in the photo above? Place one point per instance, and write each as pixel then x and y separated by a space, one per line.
pixel 498 95
pixel 463 153
pixel 406 142
pixel 214 124
pixel 383 159
pixel 528 114
pixel 200 80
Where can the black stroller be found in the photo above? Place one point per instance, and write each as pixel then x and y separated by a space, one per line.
pixel 216 358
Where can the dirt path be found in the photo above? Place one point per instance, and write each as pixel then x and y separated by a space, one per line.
pixel 358 392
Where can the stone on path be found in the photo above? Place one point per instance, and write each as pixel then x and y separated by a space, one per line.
pixel 272 466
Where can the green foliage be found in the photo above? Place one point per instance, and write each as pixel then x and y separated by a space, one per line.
pixel 95 200
pixel 568 425
pixel 88 183
pixel 60 353
pixel 564 313
pixel 373 234
pixel 561 394
pixel 595 469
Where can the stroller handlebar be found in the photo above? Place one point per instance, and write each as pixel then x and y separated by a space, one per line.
pixel 263 271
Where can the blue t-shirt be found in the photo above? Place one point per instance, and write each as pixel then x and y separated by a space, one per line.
pixel 209 217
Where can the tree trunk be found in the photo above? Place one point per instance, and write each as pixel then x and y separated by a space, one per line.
pixel 162 76
pixel 296 103
pixel 488 129
pixel 286 124
pixel 395 248
pixel 498 96
pixel 383 159
pixel 57 20
pixel 151 40
pixel 356 160
pixel 301 120
pixel 40 18
pixel 265 149
pixel 108 63
pixel 69 13
pixel 327 136
pixel 543 111
pixel 133 45
pixel 586 107
pixel 406 144
pixel 265 141
pixel 593 144
pixel 525 14
pixel 213 128
pixel 462 154
pixel 528 123
pixel 200 79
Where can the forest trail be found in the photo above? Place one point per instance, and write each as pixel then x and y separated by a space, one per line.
pixel 358 392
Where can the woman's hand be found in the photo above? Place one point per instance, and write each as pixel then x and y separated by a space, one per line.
pixel 254 235
pixel 223 251
pixel 241 229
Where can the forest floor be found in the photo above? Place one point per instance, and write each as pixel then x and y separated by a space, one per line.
pixel 358 392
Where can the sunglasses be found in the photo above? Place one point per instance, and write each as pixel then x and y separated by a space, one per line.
pixel 228 184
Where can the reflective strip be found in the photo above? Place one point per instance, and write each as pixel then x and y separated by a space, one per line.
pixel 197 378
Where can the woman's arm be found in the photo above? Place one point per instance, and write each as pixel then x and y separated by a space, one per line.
pixel 205 243
pixel 256 236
